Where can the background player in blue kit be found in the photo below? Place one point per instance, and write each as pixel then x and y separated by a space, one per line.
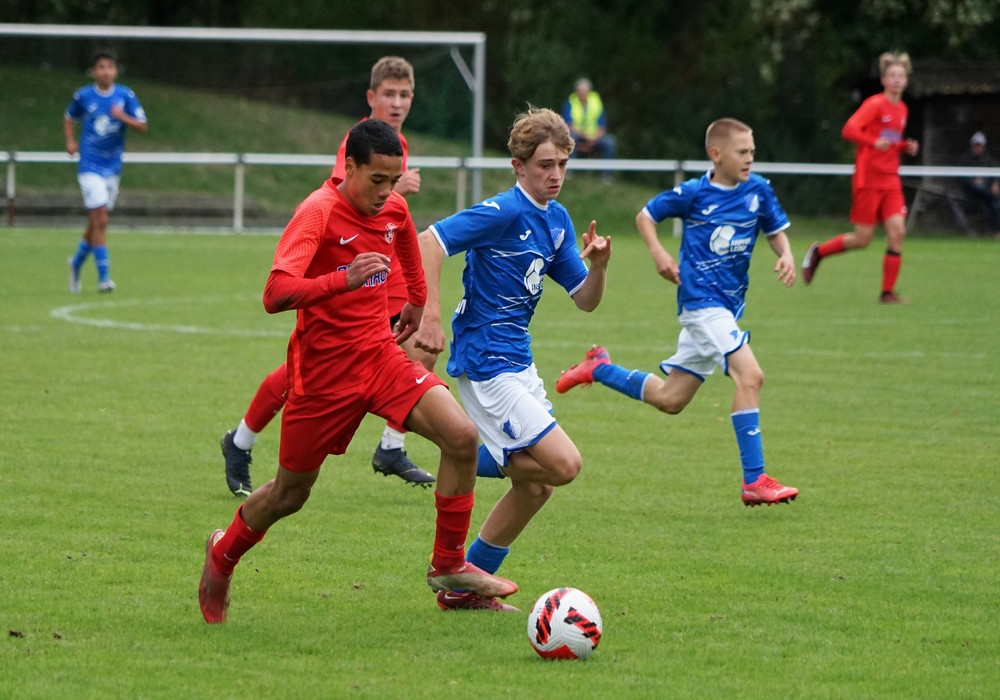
pixel 511 242
pixel 105 109
pixel 723 211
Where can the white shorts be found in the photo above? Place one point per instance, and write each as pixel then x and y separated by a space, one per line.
pixel 708 337
pixel 98 190
pixel 510 410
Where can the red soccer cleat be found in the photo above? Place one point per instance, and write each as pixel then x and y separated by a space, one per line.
pixel 810 263
pixel 469 577
pixel 213 591
pixel 767 490
pixel 891 298
pixel 583 373
pixel 453 600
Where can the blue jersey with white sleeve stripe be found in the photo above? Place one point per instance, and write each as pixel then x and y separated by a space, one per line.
pixel 511 243
pixel 720 227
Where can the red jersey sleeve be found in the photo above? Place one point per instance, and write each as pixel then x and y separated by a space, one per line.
pixel 855 128
pixel 287 287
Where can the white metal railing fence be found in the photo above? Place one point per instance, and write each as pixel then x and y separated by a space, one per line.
pixel 681 169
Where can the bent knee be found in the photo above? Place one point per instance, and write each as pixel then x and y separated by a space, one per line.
pixel 752 380
pixel 540 493
pixel 565 470
pixel 749 384
pixel 460 439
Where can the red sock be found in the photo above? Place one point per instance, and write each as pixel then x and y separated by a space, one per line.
pixel 833 246
pixel 270 398
pixel 454 513
pixel 239 538
pixel 890 269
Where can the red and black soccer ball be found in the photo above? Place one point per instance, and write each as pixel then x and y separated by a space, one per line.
pixel 565 624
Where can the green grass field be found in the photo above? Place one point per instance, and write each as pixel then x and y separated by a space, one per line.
pixel 879 581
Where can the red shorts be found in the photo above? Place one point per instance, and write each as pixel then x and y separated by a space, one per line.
pixel 871 207
pixel 313 427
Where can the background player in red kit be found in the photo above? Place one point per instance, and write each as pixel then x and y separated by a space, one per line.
pixel 877 130
pixel 331 265
pixel 390 96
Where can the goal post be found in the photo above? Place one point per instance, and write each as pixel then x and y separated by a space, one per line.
pixel 474 77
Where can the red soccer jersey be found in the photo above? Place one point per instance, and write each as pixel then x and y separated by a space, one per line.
pixel 336 327
pixel 397 285
pixel 877 117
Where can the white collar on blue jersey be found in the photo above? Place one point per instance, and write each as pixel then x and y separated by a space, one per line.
pixel 540 205
pixel 725 188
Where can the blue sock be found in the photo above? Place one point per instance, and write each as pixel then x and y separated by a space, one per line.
pixel 486 556
pixel 80 256
pixel 103 263
pixel 625 381
pixel 487 466
pixel 746 424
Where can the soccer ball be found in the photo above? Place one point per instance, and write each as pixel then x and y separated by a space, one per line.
pixel 564 624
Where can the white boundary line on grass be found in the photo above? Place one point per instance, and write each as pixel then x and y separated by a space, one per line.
pixel 70 315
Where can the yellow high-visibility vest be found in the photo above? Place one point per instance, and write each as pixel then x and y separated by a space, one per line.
pixel 585 117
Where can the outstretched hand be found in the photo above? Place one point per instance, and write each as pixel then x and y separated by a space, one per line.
pixel 596 248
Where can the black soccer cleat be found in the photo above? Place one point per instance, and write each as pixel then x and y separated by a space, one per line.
pixel 396 462
pixel 237 466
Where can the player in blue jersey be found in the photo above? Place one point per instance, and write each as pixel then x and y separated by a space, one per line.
pixel 511 242
pixel 106 110
pixel 723 212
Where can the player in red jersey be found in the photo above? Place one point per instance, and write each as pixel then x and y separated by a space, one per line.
pixel 390 96
pixel 877 130
pixel 331 265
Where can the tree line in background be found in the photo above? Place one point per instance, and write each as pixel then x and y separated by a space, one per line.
pixel 793 69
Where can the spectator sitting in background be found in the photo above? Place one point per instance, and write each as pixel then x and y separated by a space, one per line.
pixel 584 112
pixel 983 189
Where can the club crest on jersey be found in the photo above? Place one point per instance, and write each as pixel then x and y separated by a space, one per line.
pixel 390 232
pixel 558 235
pixel 753 203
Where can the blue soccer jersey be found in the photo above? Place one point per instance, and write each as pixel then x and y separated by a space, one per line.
pixel 720 229
pixel 102 140
pixel 510 244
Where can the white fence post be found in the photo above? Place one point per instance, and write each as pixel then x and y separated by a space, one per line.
pixel 238 195
pixel 11 190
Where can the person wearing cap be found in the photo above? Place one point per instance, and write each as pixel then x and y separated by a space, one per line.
pixel 584 112
pixel 982 189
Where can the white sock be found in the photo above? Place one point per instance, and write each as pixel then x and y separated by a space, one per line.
pixel 392 439
pixel 244 437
